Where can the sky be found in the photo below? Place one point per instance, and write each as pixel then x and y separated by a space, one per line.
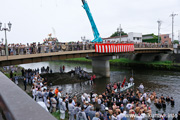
pixel 33 20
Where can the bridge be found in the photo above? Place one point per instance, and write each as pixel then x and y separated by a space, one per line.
pixel 100 61
pixel 32 58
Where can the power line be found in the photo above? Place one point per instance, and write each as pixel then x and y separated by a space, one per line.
pixel 166 26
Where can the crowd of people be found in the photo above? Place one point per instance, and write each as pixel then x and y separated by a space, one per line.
pixel 46 47
pixel 82 74
pixel 109 105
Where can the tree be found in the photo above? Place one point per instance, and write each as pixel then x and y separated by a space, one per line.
pixel 175 42
pixel 118 34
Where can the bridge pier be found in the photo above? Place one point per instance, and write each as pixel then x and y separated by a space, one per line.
pixel 101 66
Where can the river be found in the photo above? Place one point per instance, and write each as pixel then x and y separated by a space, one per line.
pixel 162 82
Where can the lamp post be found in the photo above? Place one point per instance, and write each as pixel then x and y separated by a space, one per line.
pixel 84 41
pixel 6 29
pixel 119 30
pixel 83 38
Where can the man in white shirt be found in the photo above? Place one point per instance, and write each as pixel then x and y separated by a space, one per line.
pixel 143 115
pixel 129 105
pixel 82 98
pixel 63 109
pixel 59 94
pixel 131 80
pixel 141 86
pixel 139 117
pixel 121 115
pixel 81 115
pixel 71 110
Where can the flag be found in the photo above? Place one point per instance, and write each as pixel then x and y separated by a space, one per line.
pixel 123 82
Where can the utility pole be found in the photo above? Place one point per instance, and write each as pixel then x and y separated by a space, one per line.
pixel 5 29
pixel 173 15
pixel 119 30
pixel 159 28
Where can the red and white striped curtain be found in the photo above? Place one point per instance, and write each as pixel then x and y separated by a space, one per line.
pixel 113 48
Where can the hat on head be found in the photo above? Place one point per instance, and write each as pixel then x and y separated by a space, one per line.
pixel 86 102
pixel 106 108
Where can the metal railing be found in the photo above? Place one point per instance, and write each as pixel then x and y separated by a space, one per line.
pixel 23 50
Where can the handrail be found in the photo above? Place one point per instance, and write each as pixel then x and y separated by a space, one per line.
pixel 17 105
pixel 22 50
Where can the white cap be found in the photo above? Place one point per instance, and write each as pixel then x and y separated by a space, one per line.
pixel 86 102
pixel 106 108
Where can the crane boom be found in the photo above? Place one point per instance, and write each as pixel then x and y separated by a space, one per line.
pixel 97 37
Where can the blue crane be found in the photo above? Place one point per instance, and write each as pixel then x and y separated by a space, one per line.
pixel 97 37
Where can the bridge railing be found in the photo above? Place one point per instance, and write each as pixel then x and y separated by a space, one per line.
pixel 23 50
pixel 15 104
pixel 152 45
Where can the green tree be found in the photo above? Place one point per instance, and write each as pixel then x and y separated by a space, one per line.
pixel 175 42
pixel 118 34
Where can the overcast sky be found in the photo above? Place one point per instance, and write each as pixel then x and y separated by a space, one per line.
pixel 33 20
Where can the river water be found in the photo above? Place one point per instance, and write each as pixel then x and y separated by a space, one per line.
pixel 162 82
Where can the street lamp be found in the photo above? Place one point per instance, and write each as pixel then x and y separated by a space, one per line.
pixel 83 38
pixel 119 30
pixel 6 29
pixel 84 41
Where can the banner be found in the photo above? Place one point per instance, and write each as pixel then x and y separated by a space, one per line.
pixel 114 48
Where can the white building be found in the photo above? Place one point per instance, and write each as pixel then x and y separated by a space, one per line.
pixel 134 37
pixel 115 39
pixel 131 37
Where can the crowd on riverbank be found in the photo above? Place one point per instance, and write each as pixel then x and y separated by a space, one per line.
pixel 109 105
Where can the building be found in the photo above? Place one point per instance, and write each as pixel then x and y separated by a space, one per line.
pixel 131 37
pixel 150 38
pixel 135 37
pixel 165 39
